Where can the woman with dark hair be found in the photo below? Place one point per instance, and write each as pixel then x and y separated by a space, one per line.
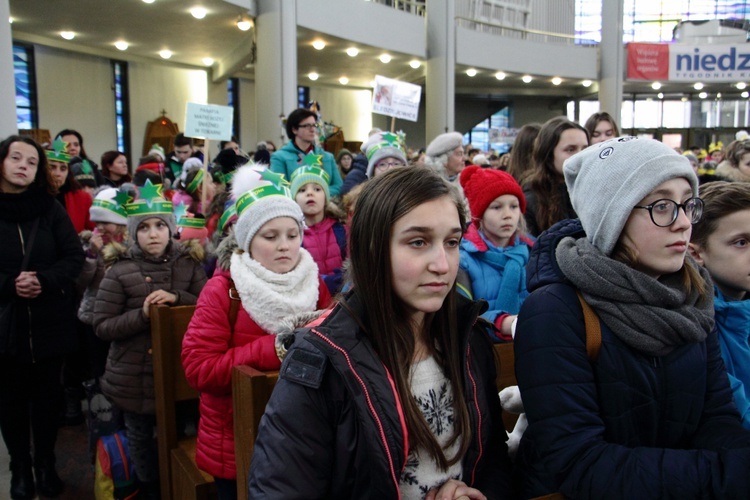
pixel 392 395
pixel 69 193
pixel 43 329
pixel 301 150
pixel 521 161
pixel 115 169
pixel 76 149
pixel 547 200
pixel 601 127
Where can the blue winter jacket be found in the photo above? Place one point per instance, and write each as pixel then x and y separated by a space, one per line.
pixel 733 324
pixel 626 425
pixel 497 275
pixel 289 158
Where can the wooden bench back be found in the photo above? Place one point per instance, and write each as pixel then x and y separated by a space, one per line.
pixel 506 376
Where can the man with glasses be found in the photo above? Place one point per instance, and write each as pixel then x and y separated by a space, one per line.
pixel 301 150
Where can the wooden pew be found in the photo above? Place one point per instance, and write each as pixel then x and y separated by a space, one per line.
pixel 180 477
pixel 506 376
pixel 251 390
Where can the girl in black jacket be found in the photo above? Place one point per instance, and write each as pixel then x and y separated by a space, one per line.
pixel 393 394
pixel 41 296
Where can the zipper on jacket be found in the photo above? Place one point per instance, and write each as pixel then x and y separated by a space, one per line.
pixel 479 414
pixel 28 306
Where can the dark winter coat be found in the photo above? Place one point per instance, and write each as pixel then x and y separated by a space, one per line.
pixel 357 174
pixel 45 325
pixel 335 399
pixel 627 425
pixel 128 379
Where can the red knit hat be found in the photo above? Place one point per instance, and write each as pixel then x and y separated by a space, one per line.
pixel 483 185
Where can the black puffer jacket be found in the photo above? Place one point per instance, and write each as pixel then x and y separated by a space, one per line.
pixel 334 400
pixel 45 325
pixel 628 425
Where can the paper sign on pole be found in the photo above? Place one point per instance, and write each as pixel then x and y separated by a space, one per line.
pixel 208 121
pixel 396 99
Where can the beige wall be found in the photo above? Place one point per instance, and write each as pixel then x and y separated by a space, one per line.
pixel 347 108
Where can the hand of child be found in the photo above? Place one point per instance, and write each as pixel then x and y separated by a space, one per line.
pixel 455 490
pixel 27 285
pixel 95 244
pixel 158 297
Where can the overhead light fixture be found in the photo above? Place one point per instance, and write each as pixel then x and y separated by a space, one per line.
pixel 500 75
pixel 703 95
pixel 68 35
pixel 313 76
pixel 586 83
pixel 745 94
pixel 414 63
pixel 198 12
pixel 121 45
pixel 698 86
pixel 660 95
pixel 556 80
pixel 208 61
pixel 243 23
pixel 656 85
pixel 684 99
pixel 526 78
pixel 718 95
pixel 319 45
pixel 343 80
pixel 741 85
pixel 10 20
pixel 471 72
pixel 148 1
pixel 165 54
pixel 352 51
pixel 385 58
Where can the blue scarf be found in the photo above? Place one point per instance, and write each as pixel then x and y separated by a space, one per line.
pixel 510 263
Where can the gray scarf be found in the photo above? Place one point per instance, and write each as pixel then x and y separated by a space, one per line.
pixel 651 316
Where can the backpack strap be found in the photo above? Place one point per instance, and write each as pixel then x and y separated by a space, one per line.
pixel 234 305
pixel 593 329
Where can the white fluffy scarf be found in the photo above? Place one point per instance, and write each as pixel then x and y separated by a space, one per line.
pixel 269 297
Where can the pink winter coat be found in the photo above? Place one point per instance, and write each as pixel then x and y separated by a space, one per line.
pixel 209 352
pixel 320 240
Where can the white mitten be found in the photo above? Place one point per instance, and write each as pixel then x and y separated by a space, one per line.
pixel 514 438
pixel 510 400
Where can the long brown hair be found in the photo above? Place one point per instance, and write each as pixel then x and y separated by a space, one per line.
pixel 383 201
pixel 42 179
pixel 521 159
pixel 545 181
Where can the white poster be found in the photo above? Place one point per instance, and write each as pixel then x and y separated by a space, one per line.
pixel 208 121
pixel 394 98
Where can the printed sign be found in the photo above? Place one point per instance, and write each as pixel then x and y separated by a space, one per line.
pixel 503 135
pixel 678 62
pixel 208 121
pixel 395 98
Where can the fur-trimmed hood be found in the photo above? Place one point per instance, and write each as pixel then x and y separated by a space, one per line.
pixel 225 249
pixel 730 173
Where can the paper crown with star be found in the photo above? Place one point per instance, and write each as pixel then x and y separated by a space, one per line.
pixel 306 175
pixel 261 195
pixel 109 206
pixel 228 217
pixel 58 151
pixel 384 145
pixel 150 203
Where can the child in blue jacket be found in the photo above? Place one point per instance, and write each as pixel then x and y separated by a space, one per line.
pixel 721 243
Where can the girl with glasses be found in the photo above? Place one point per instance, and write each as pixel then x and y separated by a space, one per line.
pixel 652 414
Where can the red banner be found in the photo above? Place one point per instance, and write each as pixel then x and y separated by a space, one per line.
pixel 648 61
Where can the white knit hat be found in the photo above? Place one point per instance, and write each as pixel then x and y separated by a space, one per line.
pixel 108 207
pixel 261 195
pixel 383 145
pixel 607 180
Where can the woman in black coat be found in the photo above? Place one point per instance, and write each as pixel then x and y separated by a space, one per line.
pixel 43 328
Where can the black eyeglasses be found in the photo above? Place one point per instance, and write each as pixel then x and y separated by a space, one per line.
pixel 664 212
pixel 309 125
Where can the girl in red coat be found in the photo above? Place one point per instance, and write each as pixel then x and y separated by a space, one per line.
pixel 75 200
pixel 274 278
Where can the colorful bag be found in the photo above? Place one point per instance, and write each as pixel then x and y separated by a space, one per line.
pixel 115 477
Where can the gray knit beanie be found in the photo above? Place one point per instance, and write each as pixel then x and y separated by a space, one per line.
pixel 444 143
pixel 607 180
pixel 381 146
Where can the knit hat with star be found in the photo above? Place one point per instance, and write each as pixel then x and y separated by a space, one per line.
pixel 109 206
pixel 383 145
pixel 82 171
pixel 58 151
pixel 150 203
pixel 305 175
pixel 606 180
pixel 483 185
pixel 261 196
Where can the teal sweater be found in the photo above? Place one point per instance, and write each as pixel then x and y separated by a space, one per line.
pixel 289 158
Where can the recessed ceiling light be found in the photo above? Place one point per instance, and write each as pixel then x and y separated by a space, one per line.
pixel 121 45
pixel 684 99
pixel 385 58
pixel 208 61
pixel 500 75
pixel 414 63
pixel 745 94
pixel 68 35
pixel 319 45
pixel 198 12
pixel 10 20
pixel 343 80
pixel 586 83
pixel 741 86
pixel 718 95
pixel 660 95
pixel 471 72
pixel 703 95
pixel 352 51
pixel 526 78
pixel 556 80
pixel 243 23
pixel 698 86
pixel 148 1
pixel 313 76
pixel 656 85
pixel 165 54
